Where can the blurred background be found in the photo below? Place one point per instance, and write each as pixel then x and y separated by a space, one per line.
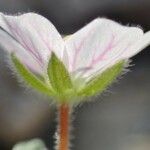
pixel 117 120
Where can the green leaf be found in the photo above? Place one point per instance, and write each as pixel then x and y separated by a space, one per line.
pixel 101 82
pixel 29 77
pixel 35 144
pixel 59 76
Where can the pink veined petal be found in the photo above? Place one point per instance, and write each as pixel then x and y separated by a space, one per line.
pixel 36 35
pixel 98 44
pixel 11 45
pixel 130 51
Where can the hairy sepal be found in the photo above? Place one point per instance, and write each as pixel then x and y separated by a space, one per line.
pixel 60 79
pixel 30 79
pixel 99 84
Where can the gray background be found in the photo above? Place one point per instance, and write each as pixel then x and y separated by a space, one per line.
pixel 117 120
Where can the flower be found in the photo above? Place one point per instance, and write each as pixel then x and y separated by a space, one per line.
pixel 91 52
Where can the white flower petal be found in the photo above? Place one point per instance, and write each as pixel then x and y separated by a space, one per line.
pixel 132 50
pixel 35 34
pixel 139 45
pixel 98 44
pixel 11 45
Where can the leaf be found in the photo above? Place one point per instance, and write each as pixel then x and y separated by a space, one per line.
pixel 101 82
pixel 35 144
pixel 29 77
pixel 59 76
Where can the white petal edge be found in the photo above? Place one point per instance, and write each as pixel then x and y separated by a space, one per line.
pixel 142 43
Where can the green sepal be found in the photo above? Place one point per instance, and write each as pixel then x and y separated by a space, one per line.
pixel 29 78
pixel 102 81
pixel 59 76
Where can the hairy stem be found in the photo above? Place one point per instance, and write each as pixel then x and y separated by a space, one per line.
pixel 63 130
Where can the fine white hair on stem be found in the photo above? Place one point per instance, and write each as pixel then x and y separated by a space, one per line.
pixel 69 125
